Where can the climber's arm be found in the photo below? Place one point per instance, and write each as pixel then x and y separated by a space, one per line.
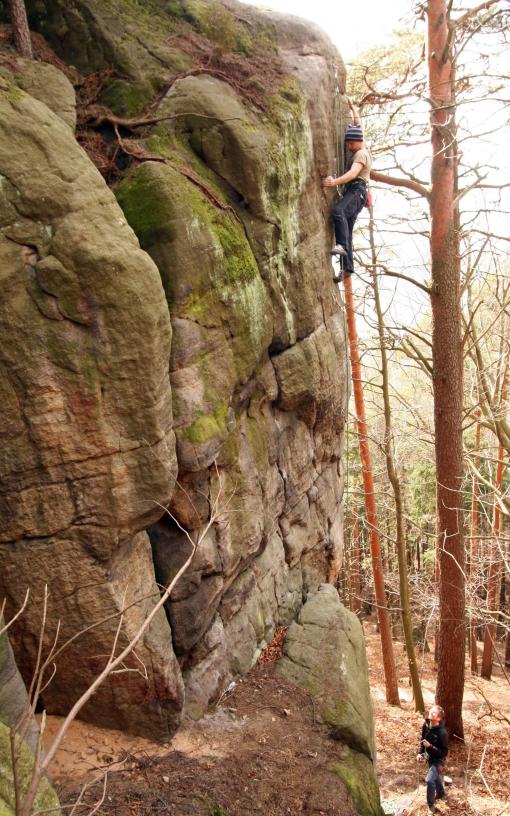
pixel 351 174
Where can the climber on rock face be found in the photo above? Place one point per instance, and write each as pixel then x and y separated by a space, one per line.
pixel 354 196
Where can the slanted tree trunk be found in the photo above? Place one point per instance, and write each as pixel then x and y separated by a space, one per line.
pixel 493 584
pixel 447 364
pixel 395 484
pixel 473 557
pixel 20 28
pixel 390 672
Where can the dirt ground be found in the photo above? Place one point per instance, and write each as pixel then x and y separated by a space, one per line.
pixel 261 751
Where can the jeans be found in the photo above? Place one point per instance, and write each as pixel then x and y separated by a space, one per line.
pixel 434 785
pixel 345 212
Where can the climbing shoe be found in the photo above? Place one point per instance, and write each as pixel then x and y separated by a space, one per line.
pixel 341 276
pixel 339 250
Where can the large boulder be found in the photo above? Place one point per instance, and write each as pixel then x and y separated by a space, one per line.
pixel 44 82
pixel 225 197
pixel 324 653
pixel 88 451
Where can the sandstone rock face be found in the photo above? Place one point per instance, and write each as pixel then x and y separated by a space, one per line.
pixel 45 83
pixel 251 381
pixel 324 652
pixel 87 440
pixel 257 365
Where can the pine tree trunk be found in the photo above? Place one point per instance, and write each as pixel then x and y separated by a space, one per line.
pixel 447 366
pixel 20 29
pixel 390 673
pixel 397 491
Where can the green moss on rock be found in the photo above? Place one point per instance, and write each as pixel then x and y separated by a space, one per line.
pixel 146 208
pixel 205 428
pixel 123 98
pixel 205 260
pixel 357 773
pixel 46 799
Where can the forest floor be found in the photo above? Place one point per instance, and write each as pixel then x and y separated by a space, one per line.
pixel 261 751
pixel 479 767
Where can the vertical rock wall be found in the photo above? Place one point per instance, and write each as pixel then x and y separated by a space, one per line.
pixel 87 440
pixel 250 381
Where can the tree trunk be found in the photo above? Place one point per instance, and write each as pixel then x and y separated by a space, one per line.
pixel 447 365
pixel 390 673
pixel 473 559
pixel 20 29
pixel 493 583
pixel 397 491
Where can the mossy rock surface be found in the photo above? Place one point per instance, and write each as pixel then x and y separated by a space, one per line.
pixel 357 773
pixel 324 652
pixel 45 83
pixel 217 300
pixel 46 798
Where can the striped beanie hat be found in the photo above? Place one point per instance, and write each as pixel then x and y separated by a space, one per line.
pixel 353 134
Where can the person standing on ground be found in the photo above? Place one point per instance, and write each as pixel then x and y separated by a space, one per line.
pixel 434 748
pixel 355 193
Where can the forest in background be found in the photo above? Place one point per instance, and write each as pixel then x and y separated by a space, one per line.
pixel 434 345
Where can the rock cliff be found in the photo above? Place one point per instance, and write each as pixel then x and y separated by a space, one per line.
pixel 177 343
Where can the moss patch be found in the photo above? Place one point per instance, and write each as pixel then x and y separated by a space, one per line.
pixel 145 206
pixel 46 799
pixel 357 773
pixel 123 98
pixel 205 428
pixel 205 260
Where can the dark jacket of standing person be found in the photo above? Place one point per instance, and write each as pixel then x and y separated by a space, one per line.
pixel 437 735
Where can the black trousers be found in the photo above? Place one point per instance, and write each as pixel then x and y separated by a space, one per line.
pixel 345 212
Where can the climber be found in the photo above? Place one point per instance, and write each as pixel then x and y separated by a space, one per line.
pixel 355 194
pixel 434 748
